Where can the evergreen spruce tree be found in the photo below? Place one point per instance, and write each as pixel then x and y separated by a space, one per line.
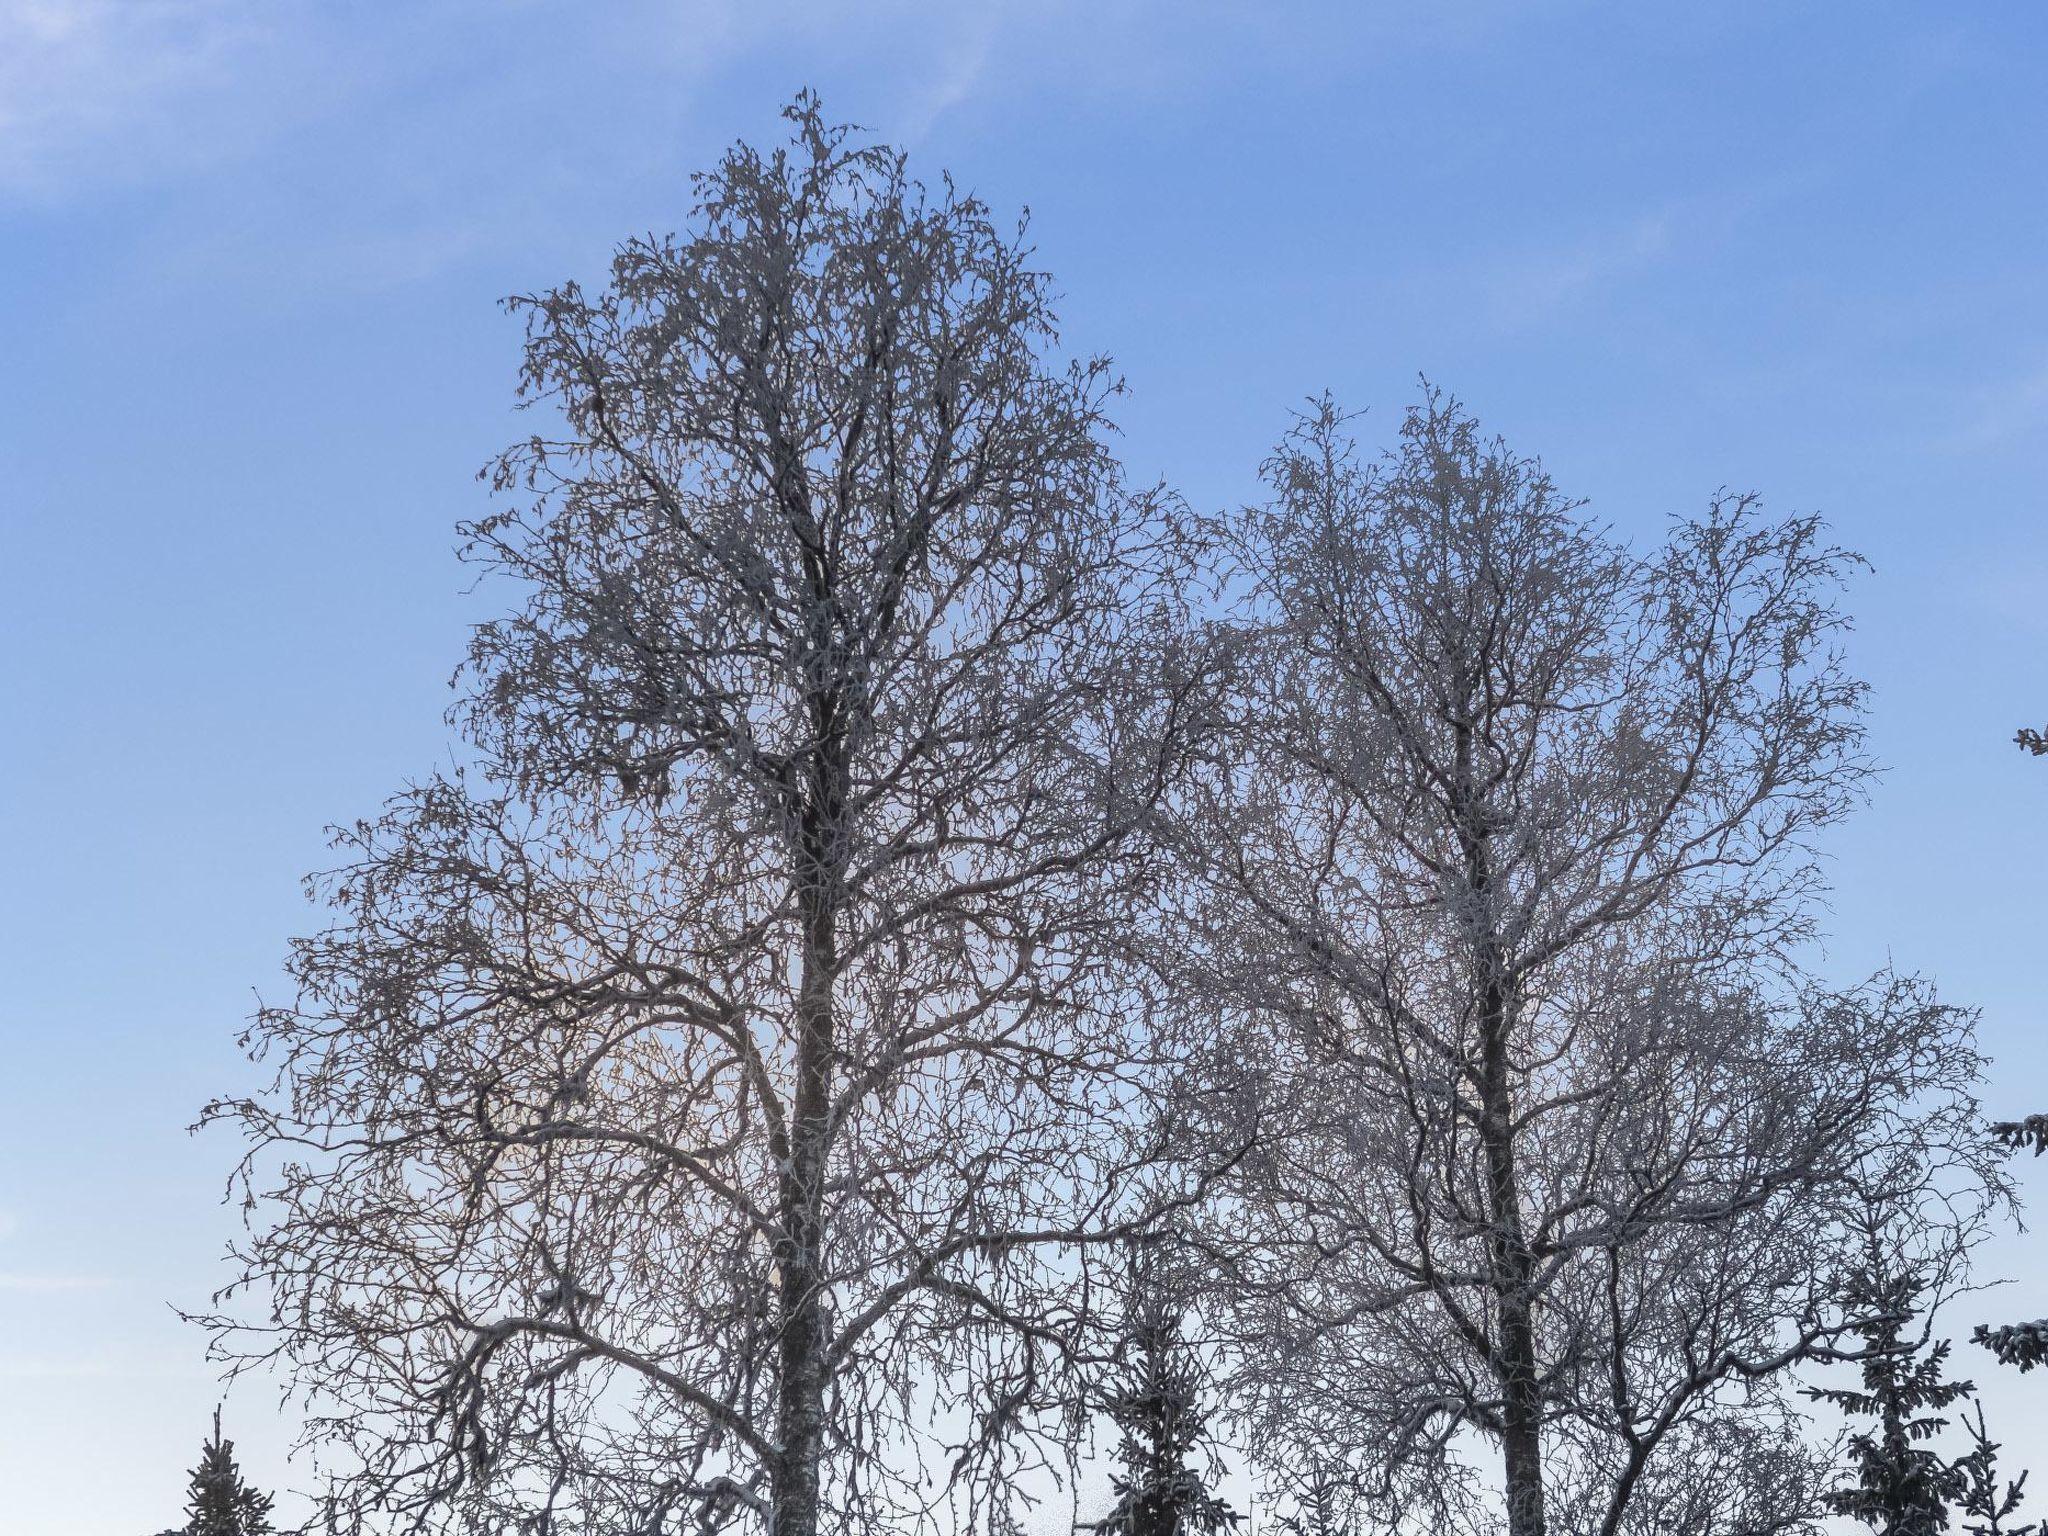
pixel 220 1502
pixel 1900 1485
pixel 1157 1404
pixel 1320 1507
pixel 2022 1344
pixel 1987 1507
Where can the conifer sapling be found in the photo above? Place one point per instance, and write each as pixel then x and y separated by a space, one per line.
pixel 1157 1403
pixel 1900 1486
pixel 221 1503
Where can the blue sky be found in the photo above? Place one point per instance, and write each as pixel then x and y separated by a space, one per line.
pixel 250 359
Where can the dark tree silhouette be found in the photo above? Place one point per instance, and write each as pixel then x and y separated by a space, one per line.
pixel 221 1502
pixel 1321 1505
pixel 1900 1486
pixel 1986 1505
pixel 2022 1344
pixel 1157 1401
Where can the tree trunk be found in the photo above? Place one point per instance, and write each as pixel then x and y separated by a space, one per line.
pixel 1522 1456
pixel 800 1418
pixel 804 1341
pixel 1511 1267
pixel 1508 1245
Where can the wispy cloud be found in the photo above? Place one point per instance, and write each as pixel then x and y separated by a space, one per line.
pixel 121 87
pixel 102 1365
pixel 1535 283
pixel 17 1281
pixel 2001 413
pixel 359 148
pixel 10 1282
pixel 1539 282
pixel 960 69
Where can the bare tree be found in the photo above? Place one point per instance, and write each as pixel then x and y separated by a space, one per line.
pixel 1505 895
pixel 722 1077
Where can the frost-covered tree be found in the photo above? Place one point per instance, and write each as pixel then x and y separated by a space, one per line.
pixel 220 1501
pixel 1159 1401
pixel 703 1104
pixel 1318 1502
pixel 1989 1504
pixel 1900 1484
pixel 1503 902
pixel 2022 1344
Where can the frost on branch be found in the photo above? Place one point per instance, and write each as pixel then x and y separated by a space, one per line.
pixel 2022 1344
pixel 2021 1135
pixel 1502 905
pixel 704 1103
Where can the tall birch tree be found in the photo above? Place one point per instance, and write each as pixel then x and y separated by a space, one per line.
pixel 1506 893
pixel 718 1081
